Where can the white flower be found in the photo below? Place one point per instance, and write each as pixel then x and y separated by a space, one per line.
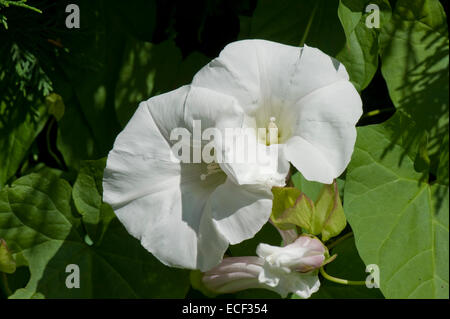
pixel 289 269
pixel 303 92
pixel 186 214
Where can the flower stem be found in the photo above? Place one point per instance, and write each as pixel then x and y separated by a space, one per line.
pixel 340 280
pixel 308 26
pixel 5 284
pixel 339 240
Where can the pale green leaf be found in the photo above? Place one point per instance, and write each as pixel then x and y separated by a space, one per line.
pixel 400 221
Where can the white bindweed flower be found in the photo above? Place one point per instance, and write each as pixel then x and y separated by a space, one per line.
pixel 289 269
pixel 185 214
pixel 302 92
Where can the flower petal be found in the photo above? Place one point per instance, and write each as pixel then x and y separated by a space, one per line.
pixel 161 202
pixel 304 254
pixel 234 274
pixel 141 152
pixel 303 285
pixel 266 166
pixel 249 70
pixel 214 109
pixel 239 212
pixel 258 72
pixel 325 135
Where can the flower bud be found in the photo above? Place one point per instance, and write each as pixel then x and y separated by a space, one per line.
pixel 303 255
pixel 281 269
pixel 234 274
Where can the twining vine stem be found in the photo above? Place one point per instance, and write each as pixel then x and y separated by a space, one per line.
pixel 340 280
pixel 335 279
pixel 308 26
pixel 339 240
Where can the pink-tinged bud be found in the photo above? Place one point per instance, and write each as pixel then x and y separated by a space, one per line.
pixel 281 269
pixel 303 255
pixel 290 268
pixel 234 274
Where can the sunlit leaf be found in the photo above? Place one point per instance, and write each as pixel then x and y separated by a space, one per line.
pixel 400 221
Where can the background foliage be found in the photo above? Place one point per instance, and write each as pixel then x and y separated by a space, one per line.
pixel 66 93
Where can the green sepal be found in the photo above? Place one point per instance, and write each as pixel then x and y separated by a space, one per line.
pixel 7 262
pixel 329 218
pixel 291 208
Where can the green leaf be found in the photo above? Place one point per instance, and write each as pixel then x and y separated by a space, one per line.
pixel 101 52
pixel 360 54
pixel 400 222
pixel 414 63
pixel 109 70
pixel 18 130
pixel 293 22
pixel 311 189
pixel 37 220
pixel 348 265
pixel 145 67
pixel 329 218
pixel 7 262
pixel 55 105
pixel 75 138
pixel 87 197
pixel 442 173
pixel 87 84
pixel 149 69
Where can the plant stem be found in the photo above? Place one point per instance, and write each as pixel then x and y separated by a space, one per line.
pixel 308 26
pixel 49 148
pixel 22 4
pixel 339 240
pixel 5 284
pixel 340 280
pixel 375 112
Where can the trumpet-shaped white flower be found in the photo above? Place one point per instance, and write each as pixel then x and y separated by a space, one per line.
pixel 303 92
pixel 187 214
pixel 289 269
